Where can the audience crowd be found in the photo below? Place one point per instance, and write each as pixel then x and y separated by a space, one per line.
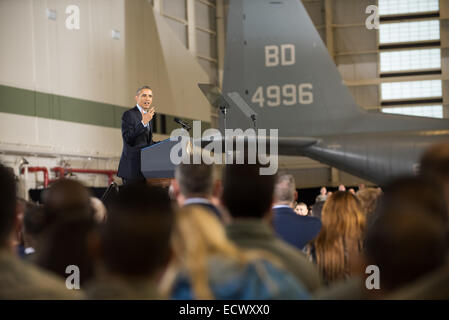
pixel 237 236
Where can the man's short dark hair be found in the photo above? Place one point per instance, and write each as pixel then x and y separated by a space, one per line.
pixel 410 192
pixel 67 199
pixel 141 88
pixel 8 202
pixel 247 193
pixel 195 179
pixel 405 245
pixel 137 233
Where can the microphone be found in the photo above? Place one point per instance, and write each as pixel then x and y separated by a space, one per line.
pixel 182 123
pixel 253 118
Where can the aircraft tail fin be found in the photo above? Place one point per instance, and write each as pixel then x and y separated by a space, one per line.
pixel 278 70
pixel 276 61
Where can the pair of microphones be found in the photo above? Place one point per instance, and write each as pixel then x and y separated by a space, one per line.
pixel 182 123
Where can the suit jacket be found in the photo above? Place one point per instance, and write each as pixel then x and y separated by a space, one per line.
pixel 295 229
pixel 208 206
pixel 135 137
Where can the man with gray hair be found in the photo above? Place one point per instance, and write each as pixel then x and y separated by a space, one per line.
pixel 194 185
pixel 292 228
pixel 137 133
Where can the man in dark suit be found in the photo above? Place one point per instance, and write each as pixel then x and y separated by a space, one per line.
pixel 194 185
pixel 137 133
pixel 291 227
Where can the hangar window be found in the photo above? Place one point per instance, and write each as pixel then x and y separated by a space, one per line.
pixel 411 89
pixel 410 57
pixel 406 60
pixel 389 7
pixel 434 111
pixel 409 31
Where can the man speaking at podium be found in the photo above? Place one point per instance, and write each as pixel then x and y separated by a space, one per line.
pixel 137 133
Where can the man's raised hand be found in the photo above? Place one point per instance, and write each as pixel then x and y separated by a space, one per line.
pixel 146 117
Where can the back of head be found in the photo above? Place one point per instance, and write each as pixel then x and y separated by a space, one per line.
pixel 212 261
pixel 67 199
pixel 368 198
pixel 195 180
pixel 340 238
pixel 409 193
pixel 8 203
pixel 199 234
pixel 247 193
pixel 67 242
pixel 136 236
pixel 405 245
pixel 285 188
pixel 342 216
pixel 435 162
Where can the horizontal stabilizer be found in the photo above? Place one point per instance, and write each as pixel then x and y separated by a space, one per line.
pixel 286 145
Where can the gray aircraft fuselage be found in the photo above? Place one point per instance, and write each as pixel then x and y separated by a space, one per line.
pixel 375 157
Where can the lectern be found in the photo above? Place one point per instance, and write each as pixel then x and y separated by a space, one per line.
pixel 155 162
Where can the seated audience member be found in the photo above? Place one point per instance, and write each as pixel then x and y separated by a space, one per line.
pixel 322 196
pixel 209 266
pixel 301 209
pixel 341 187
pixel 69 226
pixel 248 197
pixel 134 247
pixel 406 237
pixel 368 198
pixel 295 229
pixel 194 185
pixel 339 243
pixel 351 191
pixel 19 280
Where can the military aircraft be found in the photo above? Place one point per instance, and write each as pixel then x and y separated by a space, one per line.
pixel 278 65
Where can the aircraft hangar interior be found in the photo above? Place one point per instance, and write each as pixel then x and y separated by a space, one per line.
pixel 107 94
pixel 69 70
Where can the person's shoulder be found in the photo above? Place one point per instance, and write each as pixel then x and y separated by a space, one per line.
pixel 313 220
pixel 131 111
pixel 27 281
pixel 287 249
pixel 284 210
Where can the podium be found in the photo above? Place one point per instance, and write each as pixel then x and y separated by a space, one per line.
pixel 155 162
